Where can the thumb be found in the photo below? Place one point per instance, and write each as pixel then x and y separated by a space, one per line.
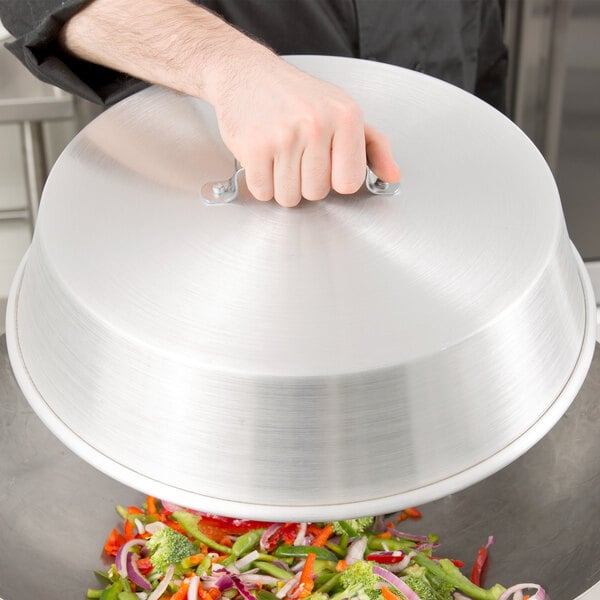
pixel 379 156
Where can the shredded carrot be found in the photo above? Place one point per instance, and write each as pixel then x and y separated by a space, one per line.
pixel 203 594
pixel 388 594
pixel 214 593
pixel 151 505
pixel 204 548
pixel 226 541
pixel 176 526
pixel 134 510
pixel 181 593
pixel 195 559
pixel 128 530
pixel 386 535
pixel 322 538
pixel 313 530
pixel 342 565
pixel 402 516
pixel 306 579
pixel 413 513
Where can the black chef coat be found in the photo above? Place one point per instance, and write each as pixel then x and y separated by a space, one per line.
pixel 459 41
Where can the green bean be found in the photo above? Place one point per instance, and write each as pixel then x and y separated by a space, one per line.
pixel 329 584
pixel 247 542
pixel 391 544
pixel 265 595
pixel 271 569
pixel 285 550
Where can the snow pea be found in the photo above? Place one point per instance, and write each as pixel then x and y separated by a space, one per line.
pixel 112 592
pixel 247 542
pixel 285 550
pixel 271 569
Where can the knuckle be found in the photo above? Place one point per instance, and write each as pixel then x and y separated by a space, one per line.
pixel 349 113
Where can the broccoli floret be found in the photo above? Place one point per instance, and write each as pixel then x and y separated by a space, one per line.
pixel 168 547
pixel 358 581
pixel 352 527
pixel 445 575
pixel 427 590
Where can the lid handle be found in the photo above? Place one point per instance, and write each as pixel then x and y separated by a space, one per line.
pixel 223 192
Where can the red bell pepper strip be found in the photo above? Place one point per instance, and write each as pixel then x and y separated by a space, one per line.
pixel 113 542
pixel 145 565
pixel 387 559
pixel 480 562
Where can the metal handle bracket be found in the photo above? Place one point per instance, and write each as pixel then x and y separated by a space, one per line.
pixel 223 192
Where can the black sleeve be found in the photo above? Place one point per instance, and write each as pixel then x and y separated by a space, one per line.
pixel 492 59
pixel 36 24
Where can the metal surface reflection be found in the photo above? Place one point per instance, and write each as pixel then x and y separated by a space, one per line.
pixel 308 353
pixel 56 510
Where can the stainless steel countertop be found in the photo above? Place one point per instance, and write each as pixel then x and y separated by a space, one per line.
pixel 56 510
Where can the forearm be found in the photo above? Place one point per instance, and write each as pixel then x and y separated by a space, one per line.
pixel 173 43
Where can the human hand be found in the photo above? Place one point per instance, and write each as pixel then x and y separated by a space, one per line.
pixel 296 135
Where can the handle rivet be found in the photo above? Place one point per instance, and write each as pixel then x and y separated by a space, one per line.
pixel 218 188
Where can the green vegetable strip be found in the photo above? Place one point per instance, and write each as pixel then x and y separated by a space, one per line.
pixel 445 570
pixel 375 543
pixel 285 550
pixel 326 587
pixel 264 595
pixel 189 522
pixel 271 569
pixel 247 542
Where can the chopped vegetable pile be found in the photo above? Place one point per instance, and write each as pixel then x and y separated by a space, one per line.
pixel 168 552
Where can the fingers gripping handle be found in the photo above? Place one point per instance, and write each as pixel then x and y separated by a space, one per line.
pixel 223 192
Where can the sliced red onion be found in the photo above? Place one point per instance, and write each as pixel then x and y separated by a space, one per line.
pixel 133 573
pixel 246 560
pixel 399 567
pixel 281 565
pixel 170 506
pixel 224 583
pixel 267 535
pixel 193 589
pixel 300 538
pixel 408 536
pixel 253 578
pixel 380 525
pixel 120 558
pixel 155 526
pixel 426 546
pixel 540 593
pixel 162 586
pixel 356 550
pixel 282 593
pixel 142 595
pixel 518 595
pixel 298 566
pixel 241 588
pixel 139 525
pixel 406 591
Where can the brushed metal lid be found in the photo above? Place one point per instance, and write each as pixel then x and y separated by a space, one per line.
pixel 345 357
